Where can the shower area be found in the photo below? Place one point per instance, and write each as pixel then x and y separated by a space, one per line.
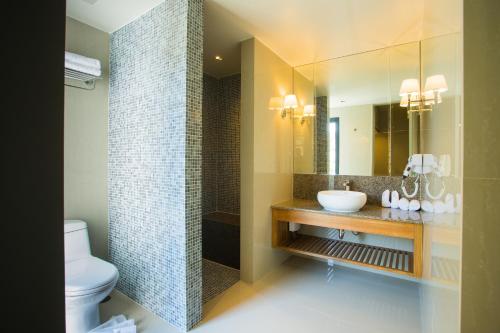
pixel 220 183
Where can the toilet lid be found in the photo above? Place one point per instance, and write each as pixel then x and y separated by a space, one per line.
pixel 88 274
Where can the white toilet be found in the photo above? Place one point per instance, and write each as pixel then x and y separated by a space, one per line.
pixel 88 279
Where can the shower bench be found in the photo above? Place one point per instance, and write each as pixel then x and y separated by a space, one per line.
pixel 370 220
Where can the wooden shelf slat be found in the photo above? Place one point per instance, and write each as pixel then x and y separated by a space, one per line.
pixel 361 254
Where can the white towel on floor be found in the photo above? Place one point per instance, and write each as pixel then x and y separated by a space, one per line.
pixel 117 324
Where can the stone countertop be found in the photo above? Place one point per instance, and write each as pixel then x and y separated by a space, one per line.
pixel 368 211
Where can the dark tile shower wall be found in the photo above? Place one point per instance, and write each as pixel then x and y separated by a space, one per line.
pixel 228 164
pixel 321 135
pixel 221 144
pixel 211 102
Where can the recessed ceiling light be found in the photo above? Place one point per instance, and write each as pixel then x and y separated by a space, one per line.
pixel 218 58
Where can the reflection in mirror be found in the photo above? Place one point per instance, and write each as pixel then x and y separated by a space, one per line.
pixel 349 120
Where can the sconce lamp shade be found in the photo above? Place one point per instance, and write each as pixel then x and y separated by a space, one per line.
pixel 409 87
pixel 276 103
pixel 436 83
pixel 290 102
pixel 308 110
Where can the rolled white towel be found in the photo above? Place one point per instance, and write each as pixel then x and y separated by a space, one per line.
pixel 82 64
pixel 81 60
pixel 293 226
pixel 83 68
pixel 403 204
pixel 394 199
pixel 449 202
pixel 427 206
pixel 414 205
pixel 386 199
pixel 439 207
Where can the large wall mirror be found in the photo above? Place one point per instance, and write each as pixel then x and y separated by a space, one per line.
pixel 350 120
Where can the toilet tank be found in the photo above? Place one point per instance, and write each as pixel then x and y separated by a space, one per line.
pixel 76 240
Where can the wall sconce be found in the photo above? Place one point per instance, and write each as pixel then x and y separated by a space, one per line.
pixel 308 113
pixel 289 104
pixel 283 104
pixel 414 101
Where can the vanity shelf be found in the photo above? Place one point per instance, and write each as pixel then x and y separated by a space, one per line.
pixel 396 261
pixel 370 220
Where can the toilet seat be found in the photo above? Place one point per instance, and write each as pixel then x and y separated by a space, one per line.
pixel 88 275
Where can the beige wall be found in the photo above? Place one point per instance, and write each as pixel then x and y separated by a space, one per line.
pixel 303 133
pixel 85 139
pixel 481 223
pixel 356 139
pixel 266 155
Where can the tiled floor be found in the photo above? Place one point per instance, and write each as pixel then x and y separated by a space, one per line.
pixel 301 295
pixel 217 278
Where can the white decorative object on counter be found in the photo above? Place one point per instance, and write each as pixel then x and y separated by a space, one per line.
pixel 439 207
pixel 386 199
pixel 414 205
pixel 403 204
pixel 394 199
pixel 449 202
pixel 427 206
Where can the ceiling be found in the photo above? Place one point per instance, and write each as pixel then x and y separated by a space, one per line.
pixel 108 15
pixel 299 31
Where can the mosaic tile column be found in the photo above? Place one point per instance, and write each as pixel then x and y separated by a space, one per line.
pixel 321 145
pixel 155 160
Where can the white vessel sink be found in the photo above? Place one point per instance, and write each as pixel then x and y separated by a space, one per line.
pixel 342 201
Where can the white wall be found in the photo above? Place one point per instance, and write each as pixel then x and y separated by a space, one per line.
pixel 86 140
pixel 266 155
pixel 356 139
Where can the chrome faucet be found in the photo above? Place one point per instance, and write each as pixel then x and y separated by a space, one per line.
pixel 346 186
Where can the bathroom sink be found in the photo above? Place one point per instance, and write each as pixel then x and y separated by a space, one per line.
pixel 342 201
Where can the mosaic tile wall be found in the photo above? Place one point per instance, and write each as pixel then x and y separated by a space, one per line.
pixel 306 186
pixel 155 160
pixel 211 102
pixel 321 145
pixel 221 144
